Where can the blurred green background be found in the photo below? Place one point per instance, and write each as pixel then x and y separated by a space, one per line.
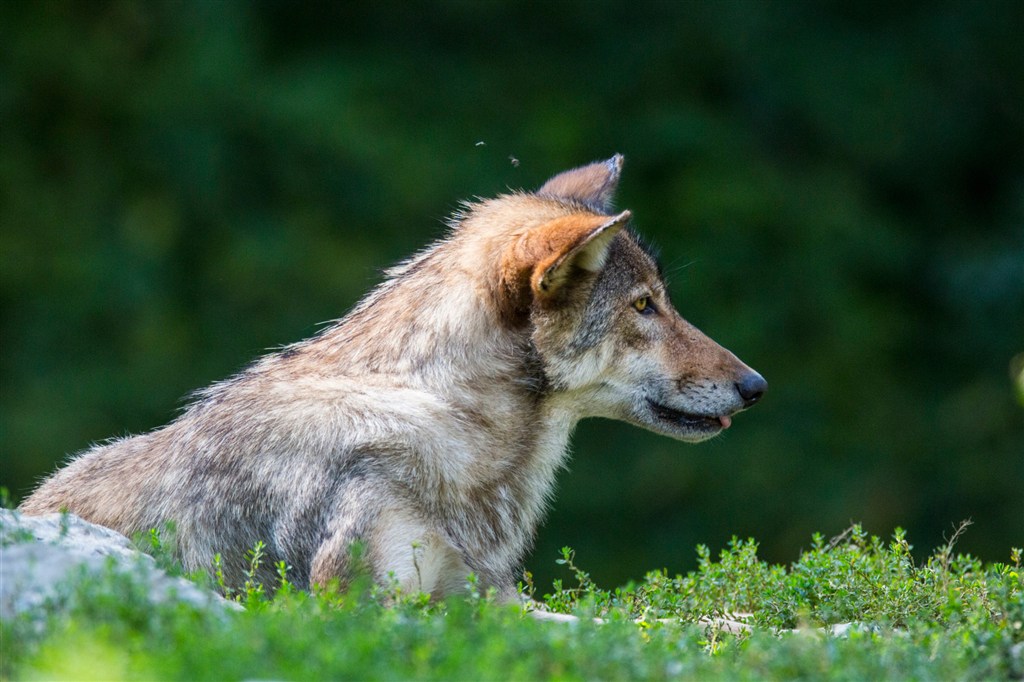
pixel 837 190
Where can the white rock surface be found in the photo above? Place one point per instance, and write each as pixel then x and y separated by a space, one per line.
pixel 40 555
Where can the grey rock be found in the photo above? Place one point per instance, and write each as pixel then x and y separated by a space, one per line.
pixel 40 556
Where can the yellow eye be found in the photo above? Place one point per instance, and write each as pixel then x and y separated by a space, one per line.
pixel 643 304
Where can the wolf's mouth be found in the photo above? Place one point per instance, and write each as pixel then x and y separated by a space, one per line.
pixel 689 420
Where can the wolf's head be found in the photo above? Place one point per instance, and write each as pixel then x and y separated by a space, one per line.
pixel 610 341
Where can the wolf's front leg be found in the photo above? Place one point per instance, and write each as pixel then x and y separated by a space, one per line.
pixel 400 548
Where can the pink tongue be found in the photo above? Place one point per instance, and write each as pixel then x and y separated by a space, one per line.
pixel 726 421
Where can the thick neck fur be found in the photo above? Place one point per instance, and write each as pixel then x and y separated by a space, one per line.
pixel 436 317
pixel 433 328
pixel 436 323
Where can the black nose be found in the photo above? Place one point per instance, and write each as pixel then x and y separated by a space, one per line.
pixel 751 387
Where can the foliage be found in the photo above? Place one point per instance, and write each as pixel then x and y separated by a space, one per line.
pixel 950 617
pixel 836 189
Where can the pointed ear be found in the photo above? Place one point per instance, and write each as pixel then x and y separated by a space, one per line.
pixel 583 245
pixel 545 258
pixel 592 185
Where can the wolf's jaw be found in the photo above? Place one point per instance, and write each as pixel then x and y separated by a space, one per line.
pixel 687 425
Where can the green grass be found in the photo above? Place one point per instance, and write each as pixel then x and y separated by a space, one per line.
pixel 950 617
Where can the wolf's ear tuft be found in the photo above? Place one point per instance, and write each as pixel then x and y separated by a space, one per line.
pixel 593 185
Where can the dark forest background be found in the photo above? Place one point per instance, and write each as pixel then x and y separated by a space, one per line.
pixel 837 190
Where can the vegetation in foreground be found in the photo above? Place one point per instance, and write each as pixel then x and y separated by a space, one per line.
pixel 949 617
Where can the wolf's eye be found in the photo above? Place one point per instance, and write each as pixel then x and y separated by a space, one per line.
pixel 643 305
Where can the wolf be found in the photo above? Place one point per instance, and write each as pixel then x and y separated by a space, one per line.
pixel 429 423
